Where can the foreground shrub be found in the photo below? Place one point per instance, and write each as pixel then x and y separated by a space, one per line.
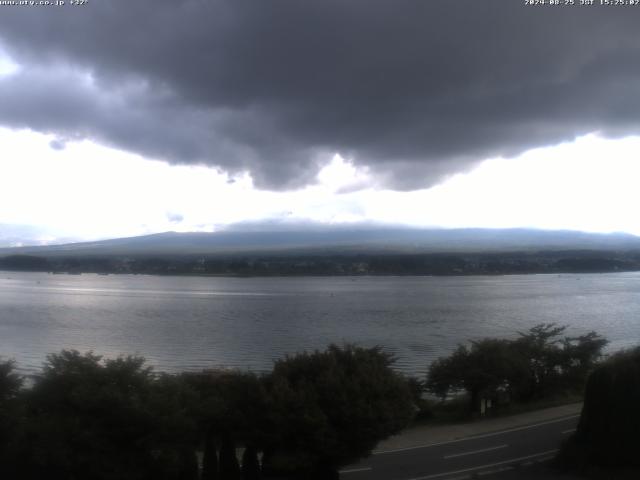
pixel 104 420
pixel 10 415
pixel 100 419
pixel 608 434
pixel 331 408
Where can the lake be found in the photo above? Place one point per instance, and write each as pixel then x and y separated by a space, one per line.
pixel 189 323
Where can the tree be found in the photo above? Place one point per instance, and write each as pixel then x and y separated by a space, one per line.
pixel 106 420
pixel 538 364
pixel 540 348
pixel 10 417
pixel 231 410
pixel 10 381
pixel 555 362
pixel 607 434
pixel 250 464
pixel 210 457
pixel 488 366
pixel 170 404
pixel 229 466
pixel 331 408
pixel 27 263
pixel 580 355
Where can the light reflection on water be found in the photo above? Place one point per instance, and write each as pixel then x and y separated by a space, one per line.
pixel 188 323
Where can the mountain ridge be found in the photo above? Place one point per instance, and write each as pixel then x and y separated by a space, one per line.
pixel 336 239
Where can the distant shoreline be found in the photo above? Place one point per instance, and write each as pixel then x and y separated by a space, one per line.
pixel 334 264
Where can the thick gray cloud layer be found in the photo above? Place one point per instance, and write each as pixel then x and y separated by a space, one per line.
pixel 414 89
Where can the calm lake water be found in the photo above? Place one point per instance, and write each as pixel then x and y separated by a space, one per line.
pixel 186 323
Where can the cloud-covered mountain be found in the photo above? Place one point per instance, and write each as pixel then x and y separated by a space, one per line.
pixel 334 240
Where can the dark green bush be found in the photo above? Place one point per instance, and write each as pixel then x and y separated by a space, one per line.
pixel 608 433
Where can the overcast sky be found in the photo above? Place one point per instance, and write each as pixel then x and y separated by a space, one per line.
pixel 125 117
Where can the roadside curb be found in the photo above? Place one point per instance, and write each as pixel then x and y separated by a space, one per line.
pixel 429 434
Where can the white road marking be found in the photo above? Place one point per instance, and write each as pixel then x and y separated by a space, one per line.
pixel 354 470
pixel 571 430
pixel 492 472
pixel 474 437
pixel 455 455
pixel 480 467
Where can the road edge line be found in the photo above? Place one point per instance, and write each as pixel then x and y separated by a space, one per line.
pixel 480 467
pixel 474 437
pixel 473 452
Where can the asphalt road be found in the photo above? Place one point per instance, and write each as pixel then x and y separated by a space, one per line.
pixel 486 454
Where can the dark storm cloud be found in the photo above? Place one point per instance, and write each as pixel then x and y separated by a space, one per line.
pixel 414 89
